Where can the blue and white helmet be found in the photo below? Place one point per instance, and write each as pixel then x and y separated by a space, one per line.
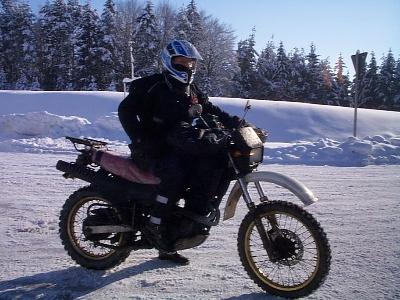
pixel 179 48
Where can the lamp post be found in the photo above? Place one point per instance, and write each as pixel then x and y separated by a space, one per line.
pixel 126 81
pixel 132 60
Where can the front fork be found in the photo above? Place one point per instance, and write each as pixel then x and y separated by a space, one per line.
pixel 265 236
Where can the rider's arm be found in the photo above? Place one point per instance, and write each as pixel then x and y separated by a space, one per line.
pixel 209 108
pixel 129 112
pixel 226 119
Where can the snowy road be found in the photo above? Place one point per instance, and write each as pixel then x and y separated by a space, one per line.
pixel 359 209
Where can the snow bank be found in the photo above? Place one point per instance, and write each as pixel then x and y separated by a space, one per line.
pixel 317 135
pixel 374 150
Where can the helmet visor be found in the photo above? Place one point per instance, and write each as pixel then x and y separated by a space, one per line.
pixel 184 64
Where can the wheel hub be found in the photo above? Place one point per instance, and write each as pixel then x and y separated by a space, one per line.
pixel 288 247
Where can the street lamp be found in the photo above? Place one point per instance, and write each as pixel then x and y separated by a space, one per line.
pixel 127 81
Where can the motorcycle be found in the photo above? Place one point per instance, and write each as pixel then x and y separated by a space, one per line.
pixel 282 247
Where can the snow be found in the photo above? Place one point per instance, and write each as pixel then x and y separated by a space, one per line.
pixel 358 206
pixel 314 134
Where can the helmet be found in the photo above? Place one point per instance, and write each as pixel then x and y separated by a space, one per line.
pixel 184 49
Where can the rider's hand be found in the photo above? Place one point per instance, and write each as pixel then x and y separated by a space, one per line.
pixel 262 134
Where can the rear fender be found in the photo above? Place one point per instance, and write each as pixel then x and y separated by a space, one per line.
pixel 297 188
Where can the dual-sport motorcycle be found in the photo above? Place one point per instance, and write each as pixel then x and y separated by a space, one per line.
pixel 281 246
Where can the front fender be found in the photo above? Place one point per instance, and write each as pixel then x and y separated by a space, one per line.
pixel 297 188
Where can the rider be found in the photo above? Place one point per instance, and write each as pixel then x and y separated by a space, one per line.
pixel 155 107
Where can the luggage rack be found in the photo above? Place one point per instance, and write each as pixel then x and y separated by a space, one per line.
pixel 87 142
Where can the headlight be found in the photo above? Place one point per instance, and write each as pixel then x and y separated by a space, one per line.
pixel 256 155
pixel 253 156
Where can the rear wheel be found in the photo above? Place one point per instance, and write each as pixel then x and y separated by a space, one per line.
pixel 302 254
pixel 81 208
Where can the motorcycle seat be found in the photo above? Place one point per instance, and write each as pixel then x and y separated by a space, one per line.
pixel 124 167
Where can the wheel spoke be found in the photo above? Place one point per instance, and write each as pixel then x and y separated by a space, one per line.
pixel 300 262
pixel 81 242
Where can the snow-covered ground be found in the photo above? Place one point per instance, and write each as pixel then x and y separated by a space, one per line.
pixel 36 122
pixel 358 208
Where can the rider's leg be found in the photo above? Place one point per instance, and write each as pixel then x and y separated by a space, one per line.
pixel 172 172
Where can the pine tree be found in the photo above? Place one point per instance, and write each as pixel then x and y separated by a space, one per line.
pixel 387 91
pixel 182 27
pixel 110 58
pixel 74 16
pixel 146 43
pixel 18 52
pixel 190 26
pixel 397 86
pixel 342 83
pixel 282 73
pixel 313 78
pixel 296 75
pixel 88 54
pixel 246 78
pixel 266 72
pixel 196 33
pixel 328 95
pixel 55 48
pixel 370 93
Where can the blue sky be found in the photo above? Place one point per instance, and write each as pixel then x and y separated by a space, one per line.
pixel 335 27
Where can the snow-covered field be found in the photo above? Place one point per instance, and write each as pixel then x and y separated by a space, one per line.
pixel 359 207
pixel 37 122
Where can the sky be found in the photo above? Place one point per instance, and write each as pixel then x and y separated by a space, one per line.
pixel 335 27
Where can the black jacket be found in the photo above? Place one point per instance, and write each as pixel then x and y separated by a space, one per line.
pixel 152 109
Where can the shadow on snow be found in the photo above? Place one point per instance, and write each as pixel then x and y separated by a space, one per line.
pixel 75 282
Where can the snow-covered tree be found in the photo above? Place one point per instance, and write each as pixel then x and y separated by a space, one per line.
pixel 3 79
pixel 328 94
pixel 370 94
pixel 342 83
pixel 219 59
pixel 17 44
pixel 88 54
pixel 146 43
pixel 190 25
pixel 110 57
pixel 182 25
pixel 266 73
pixel 246 78
pixel 397 86
pixel 127 14
pixel 74 15
pixel 387 89
pixel 297 66
pixel 313 80
pixel 166 19
pixel 55 47
pixel 282 77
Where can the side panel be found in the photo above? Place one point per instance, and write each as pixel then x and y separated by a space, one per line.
pixel 297 188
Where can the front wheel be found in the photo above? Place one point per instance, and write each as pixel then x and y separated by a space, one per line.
pixel 302 255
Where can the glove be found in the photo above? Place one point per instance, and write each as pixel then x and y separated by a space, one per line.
pixel 262 134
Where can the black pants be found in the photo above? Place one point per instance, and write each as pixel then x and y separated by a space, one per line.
pixel 196 178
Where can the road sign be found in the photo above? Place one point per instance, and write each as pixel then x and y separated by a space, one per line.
pixel 359 61
pixel 359 65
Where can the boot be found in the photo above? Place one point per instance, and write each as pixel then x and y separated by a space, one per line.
pixel 173 257
pixel 155 234
pixel 154 230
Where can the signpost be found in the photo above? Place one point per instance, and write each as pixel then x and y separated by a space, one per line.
pixel 359 65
